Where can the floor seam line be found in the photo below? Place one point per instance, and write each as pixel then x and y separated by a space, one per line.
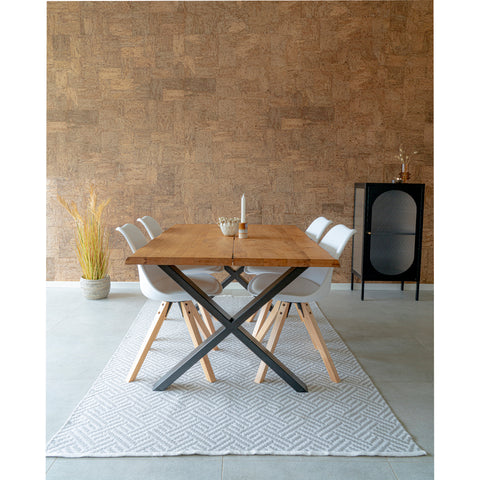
pixel 48 469
pixel 391 468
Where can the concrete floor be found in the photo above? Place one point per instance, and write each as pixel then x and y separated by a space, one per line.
pixel 390 334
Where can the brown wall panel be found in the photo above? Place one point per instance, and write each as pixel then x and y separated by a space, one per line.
pixel 173 109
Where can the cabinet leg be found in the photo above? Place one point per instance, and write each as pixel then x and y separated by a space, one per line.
pixel 418 290
pixel 403 285
pixel 351 282
pixel 363 289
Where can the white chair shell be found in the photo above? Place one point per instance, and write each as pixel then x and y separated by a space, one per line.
pixel 316 229
pixel 155 284
pixel 315 282
pixel 152 227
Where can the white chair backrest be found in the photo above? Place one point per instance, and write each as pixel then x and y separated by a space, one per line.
pixel 334 242
pixel 336 239
pixel 133 235
pixel 149 274
pixel 152 227
pixel 317 227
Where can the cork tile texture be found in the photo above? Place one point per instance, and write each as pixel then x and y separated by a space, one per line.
pixel 174 109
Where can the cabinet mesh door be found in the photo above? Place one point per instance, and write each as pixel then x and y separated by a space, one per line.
pixel 394 215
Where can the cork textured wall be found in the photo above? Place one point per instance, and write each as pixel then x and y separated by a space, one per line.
pixel 174 109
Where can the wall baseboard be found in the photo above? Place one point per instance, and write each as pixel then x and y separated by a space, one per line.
pixel 237 286
pixel 76 284
pixel 368 286
pixel 382 286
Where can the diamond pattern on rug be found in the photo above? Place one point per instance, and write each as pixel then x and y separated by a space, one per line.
pixel 234 415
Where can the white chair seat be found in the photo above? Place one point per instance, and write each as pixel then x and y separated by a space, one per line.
pixel 156 285
pixel 194 269
pixel 301 287
pixel 260 270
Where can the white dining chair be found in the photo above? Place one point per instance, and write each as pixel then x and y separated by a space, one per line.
pixel 314 231
pixel 311 286
pixel 317 227
pixel 154 229
pixel 155 284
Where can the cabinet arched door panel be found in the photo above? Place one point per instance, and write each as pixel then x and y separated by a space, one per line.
pixel 394 216
pixel 392 254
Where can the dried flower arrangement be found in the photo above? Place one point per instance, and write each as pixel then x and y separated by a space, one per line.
pixel 404 158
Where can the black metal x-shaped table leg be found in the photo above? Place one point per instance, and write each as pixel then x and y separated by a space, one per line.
pixel 231 325
pixel 234 275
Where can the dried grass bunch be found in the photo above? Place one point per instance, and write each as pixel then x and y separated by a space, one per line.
pixel 403 156
pixel 91 238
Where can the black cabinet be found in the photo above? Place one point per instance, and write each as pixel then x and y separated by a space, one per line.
pixel 388 218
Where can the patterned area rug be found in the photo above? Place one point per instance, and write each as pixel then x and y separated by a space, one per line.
pixel 234 415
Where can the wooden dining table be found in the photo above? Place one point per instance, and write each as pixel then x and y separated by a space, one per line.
pixel 266 245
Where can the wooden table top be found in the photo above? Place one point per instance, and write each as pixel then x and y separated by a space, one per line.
pixel 266 245
pixel 280 246
pixel 186 245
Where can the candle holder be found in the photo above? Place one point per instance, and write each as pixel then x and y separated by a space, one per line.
pixel 243 230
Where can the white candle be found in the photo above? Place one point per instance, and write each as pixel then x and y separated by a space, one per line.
pixel 403 167
pixel 242 217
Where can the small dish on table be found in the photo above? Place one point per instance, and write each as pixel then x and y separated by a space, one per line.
pixel 229 226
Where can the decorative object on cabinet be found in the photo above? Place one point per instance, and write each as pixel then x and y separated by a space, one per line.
pixel 404 158
pixel 388 218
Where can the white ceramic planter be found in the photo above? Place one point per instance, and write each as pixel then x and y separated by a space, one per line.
pixel 95 289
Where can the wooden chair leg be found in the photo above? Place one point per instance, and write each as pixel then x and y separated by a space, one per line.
pixel 263 330
pixel 319 342
pixel 206 317
pixel 250 319
pixel 204 321
pixel 147 343
pixel 262 316
pixel 273 339
pixel 300 313
pixel 187 310
pixel 302 318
